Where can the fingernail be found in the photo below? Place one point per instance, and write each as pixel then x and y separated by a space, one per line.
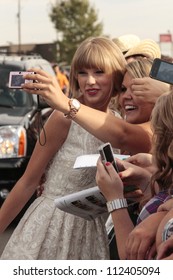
pixel 107 163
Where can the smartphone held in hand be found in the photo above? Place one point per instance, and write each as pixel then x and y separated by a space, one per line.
pixel 106 153
pixel 162 70
pixel 16 79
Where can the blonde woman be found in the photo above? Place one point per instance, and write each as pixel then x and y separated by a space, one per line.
pixel 45 232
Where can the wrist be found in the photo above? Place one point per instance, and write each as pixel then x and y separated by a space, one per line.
pixel 73 108
pixel 64 105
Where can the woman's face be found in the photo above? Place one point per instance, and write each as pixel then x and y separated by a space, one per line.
pixel 96 87
pixel 135 110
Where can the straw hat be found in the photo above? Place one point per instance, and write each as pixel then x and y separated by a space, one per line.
pixel 126 42
pixel 148 48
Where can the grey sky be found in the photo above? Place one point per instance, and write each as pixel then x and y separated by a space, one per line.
pixel 145 18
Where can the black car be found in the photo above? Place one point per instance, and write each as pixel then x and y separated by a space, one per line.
pixel 20 121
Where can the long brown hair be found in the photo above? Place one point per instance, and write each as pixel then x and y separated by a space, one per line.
pixel 162 125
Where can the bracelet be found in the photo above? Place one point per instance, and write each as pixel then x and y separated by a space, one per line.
pixel 116 204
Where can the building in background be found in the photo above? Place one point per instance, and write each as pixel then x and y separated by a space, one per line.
pixel 166 44
pixel 48 51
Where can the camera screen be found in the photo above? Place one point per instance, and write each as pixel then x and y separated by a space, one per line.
pixel 17 80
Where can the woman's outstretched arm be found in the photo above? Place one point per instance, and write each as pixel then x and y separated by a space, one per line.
pixel 129 137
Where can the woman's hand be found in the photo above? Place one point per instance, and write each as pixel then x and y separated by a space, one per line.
pixel 109 181
pixel 132 174
pixel 47 86
pixel 165 251
pixel 149 89
pixel 116 183
pixel 144 160
pixel 140 244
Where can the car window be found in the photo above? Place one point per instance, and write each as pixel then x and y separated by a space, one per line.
pixel 12 97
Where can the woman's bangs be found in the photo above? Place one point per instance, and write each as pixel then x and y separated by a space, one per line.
pixel 92 59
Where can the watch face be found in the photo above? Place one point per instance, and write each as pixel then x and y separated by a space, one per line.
pixel 76 103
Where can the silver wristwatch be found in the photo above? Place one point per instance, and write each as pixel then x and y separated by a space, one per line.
pixel 116 204
pixel 168 230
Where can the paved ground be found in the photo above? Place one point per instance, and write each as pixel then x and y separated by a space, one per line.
pixel 5 236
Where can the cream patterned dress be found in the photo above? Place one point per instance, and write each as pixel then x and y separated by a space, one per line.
pixel 45 232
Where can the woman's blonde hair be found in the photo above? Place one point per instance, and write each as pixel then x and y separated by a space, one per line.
pixel 139 68
pixel 100 53
pixel 162 125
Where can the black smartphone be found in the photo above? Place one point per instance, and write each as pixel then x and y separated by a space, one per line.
pixel 16 79
pixel 162 70
pixel 107 155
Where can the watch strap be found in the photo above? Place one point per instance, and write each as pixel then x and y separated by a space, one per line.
pixel 116 204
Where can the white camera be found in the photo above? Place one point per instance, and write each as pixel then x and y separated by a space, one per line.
pixel 16 79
